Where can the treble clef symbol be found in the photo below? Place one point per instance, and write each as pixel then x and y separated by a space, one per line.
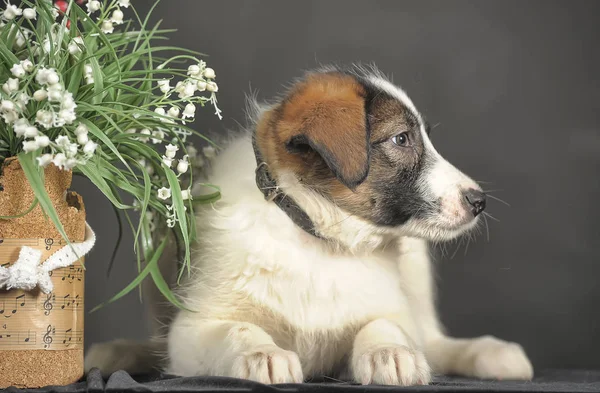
pixel 48 304
pixel 49 243
pixel 48 336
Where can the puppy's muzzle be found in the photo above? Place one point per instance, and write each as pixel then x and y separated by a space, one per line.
pixel 475 200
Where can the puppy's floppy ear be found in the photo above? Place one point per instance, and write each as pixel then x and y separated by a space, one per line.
pixel 326 113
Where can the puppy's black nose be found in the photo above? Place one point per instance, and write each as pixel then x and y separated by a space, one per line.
pixel 476 201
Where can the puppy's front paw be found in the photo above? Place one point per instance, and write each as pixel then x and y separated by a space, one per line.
pixel 393 365
pixel 496 359
pixel 268 365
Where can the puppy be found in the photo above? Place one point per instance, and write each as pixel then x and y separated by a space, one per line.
pixel 315 261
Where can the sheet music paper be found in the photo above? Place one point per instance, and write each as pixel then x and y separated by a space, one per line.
pixel 34 320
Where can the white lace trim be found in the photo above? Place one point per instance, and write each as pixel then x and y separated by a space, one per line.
pixel 27 272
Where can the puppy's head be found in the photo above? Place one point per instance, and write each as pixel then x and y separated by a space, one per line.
pixel 357 141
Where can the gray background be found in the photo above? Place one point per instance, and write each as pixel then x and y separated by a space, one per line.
pixel 515 88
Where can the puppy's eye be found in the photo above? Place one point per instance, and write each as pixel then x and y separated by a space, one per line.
pixel 401 139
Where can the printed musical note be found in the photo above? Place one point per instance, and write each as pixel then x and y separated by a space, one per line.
pixel 50 331
pixel 66 301
pixel 48 303
pixel 49 243
pixel 17 338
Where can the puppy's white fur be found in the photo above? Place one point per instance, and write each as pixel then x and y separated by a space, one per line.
pixel 274 304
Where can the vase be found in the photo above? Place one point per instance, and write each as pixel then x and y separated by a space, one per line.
pixel 41 334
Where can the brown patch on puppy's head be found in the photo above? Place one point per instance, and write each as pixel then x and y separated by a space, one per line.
pixel 320 128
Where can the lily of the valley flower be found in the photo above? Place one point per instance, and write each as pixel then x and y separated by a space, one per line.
pixel 29 13
pixel 171 150
pixel 29 146
pixel 40 95
pixel 42 140
pixel 93 6
pixel 27 65
pixel 123 3
pixel 90 147
pixel 167 161
pixel 31 132
pixel 44 118
pixel 158 136
pixel 173 111
pixel 189 111
pixel 164 86
pixel 11 11
pixel 107 27
pixel 75 46
pixel 11 85
pixel 164 193
pixel 117 17
pixel 209 73
pixel 183 165
pixel 18 70
pixel 201 85
pixel 186 194
pixel 44 160
pixel 20 126
pixel 59 160
pixel 212 87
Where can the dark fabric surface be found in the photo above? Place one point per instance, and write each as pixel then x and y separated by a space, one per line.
pixel 572 381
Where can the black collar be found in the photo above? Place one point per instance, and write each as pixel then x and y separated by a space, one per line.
pixel 268 186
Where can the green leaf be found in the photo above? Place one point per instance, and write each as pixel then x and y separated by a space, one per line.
pixel 163 287
pixel 36 181
pixel 179 211
pixel 137 281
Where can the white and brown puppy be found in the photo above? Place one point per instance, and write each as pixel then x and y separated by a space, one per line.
pixel 315 261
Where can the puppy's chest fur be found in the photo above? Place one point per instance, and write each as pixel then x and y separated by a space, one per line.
pixel 312 302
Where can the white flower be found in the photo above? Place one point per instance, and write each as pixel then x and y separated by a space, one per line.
pixel 188 90
pixel 70 163
pixel 171 150
pixel 40 95
pixel 42 140
pixel 20 126
pixel 174 111
pixel 201 85
pixel 10 116
pixel 123 3
pixel 145 131
pixel 29 146
pixel 31 132
pixel 44 118
pixel 130 131
pixel 164 193
pixel 82 139
pixel 7 106
pixel 170 223
pixel 18 70
pixel 67 101
pixel 164 86
pixel 21 39
pixel 55 93
pixel 81 129
pixel 44 160
pixel 87 70
pixel 29 13
pixel 46 45
pixel 158 136
pixel 90 147
pixel 22 100
pixel 167 161
pixel 27 65
pixel 93 6
pixel 54 12
pixel 160 111
pixel 71 149
pixel 60 160
pixel 209 73
pixel 194 70
pixel 75 46
pixel 11 85
pixel 89 80
pixel 117 17
pixel 67 115
pixel 209 152
pixel 212 87
pixel 12 11
pixel 182 166
pixel 107 27
pixel 52 77
pixel 186 194
pixel 189 111
pixel 62 141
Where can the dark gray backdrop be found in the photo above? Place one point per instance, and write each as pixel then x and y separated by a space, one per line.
pixel 515 88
